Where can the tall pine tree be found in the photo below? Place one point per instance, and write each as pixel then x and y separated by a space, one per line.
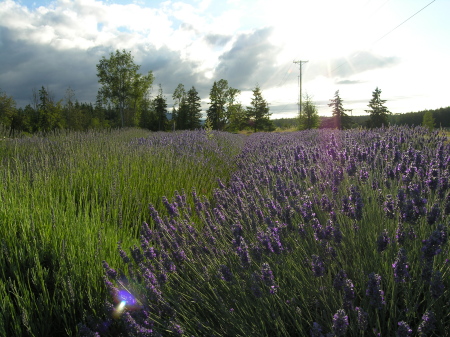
pixel 161 110
pixel 340 118
pixel 258 112
pixel 379 114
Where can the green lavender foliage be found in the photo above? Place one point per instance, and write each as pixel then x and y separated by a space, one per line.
pixel 286 199
pixel 66 200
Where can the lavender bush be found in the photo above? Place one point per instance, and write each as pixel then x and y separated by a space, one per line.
pixel 294 237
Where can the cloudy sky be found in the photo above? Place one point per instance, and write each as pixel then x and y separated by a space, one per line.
pixel 354 46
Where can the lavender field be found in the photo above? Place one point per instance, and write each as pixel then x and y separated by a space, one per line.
pixel 312 233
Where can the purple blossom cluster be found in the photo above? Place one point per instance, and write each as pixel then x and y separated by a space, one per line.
pixel 288 211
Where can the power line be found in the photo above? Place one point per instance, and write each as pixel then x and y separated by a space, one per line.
pixel 403 22
pixel 344 63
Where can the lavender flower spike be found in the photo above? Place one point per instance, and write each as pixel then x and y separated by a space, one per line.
pixel 340 323
pixel 403 330
pixel 400 266
pixel 316 330
pixel 362 319
pixel 374 291
pixel 317 266
pixel 427 324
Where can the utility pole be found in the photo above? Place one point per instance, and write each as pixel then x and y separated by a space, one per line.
pixel 300 63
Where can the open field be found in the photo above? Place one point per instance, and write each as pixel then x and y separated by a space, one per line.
pixel 305 233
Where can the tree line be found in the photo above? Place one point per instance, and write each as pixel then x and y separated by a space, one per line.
pixel 124 100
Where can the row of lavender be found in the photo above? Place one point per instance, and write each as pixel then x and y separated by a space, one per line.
pixel 317 233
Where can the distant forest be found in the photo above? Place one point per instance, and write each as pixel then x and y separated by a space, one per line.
pixel 441 119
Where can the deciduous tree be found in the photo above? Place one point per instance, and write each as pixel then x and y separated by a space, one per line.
pixel 221 97
pixel 428 120
pixel 120 81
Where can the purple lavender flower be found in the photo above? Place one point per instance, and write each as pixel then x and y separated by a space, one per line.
pixel 403 329
pixel 339 280
pixel 176 329
pixel 363 174
pixel 316 330
pixel 317 266
pixel 362 319
pixel 400 266
pixel 133 328
pixel 123 255
pixel 111 273
pixel 437 286
pixel 171 208
pixel 243 253
pixel 432 246
pixel 374 292
pixel 400 234
pixel 432 178
pixel 226 273
pixel 383 241
pixel 337 233
pixel 340 323
pixel 267 277
pixel 255 288
pixel 326 203
pixel 351 167
pixel 427 324
pixel 433 214
pixel 349 294
pixel 136 254
pixel 389 207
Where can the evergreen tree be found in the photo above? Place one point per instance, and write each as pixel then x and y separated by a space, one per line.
pixel 309 119
pixel 428 120
pixel 49 112
pixel 340 118
pixel 379 114
pixel 148 115
pixel 182 115
pixel 194 109
pixel 259 112
pixel 161 110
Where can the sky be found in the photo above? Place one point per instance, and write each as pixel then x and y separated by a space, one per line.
pixel 354 46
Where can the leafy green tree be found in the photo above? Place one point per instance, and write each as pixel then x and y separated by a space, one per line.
pixel 238 119
pixel 8 111
pixel 341 119
pixel 178 96
pixel 259 113
pixel 161 110
pixel 379 114
pixel 121 84
pixel 221 97
pixel 309 118
pixel 428 120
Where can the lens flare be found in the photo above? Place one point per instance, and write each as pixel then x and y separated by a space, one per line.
pixel 124 300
